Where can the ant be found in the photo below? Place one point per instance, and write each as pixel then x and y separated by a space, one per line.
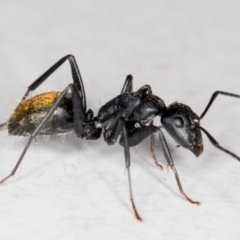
pixel 129 116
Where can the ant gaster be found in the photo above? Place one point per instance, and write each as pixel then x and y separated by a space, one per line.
pixel 130 115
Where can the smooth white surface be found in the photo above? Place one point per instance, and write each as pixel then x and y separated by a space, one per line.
pixel 68 190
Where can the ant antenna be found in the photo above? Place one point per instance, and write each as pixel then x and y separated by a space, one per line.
pixel 215 94
pixel 215 143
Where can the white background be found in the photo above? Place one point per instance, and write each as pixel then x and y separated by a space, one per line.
pixel 68 190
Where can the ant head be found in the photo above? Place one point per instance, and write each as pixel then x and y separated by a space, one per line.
pixel 181 123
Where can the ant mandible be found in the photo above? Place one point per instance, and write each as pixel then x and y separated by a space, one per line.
pixel 130 115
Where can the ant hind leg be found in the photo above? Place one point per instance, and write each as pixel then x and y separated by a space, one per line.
pixel 78 122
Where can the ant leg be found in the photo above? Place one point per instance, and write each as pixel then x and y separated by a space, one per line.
pixel 216 144
pixel 128 85
pixel 152 149
pixel 77 79
pixel 111 139
pixel 168 156
pixel 128 163
pixel 77 129
pixel 136 133
pixel 215 94
pixel 145 89
pixel 2 125
pixel 153 153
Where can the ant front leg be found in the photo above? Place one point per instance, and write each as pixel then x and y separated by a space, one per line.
pixel 78 118
pixel 169 159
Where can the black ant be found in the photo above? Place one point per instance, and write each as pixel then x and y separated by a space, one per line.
pixel 130 115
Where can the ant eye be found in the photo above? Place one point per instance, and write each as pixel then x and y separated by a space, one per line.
pixel 178 121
